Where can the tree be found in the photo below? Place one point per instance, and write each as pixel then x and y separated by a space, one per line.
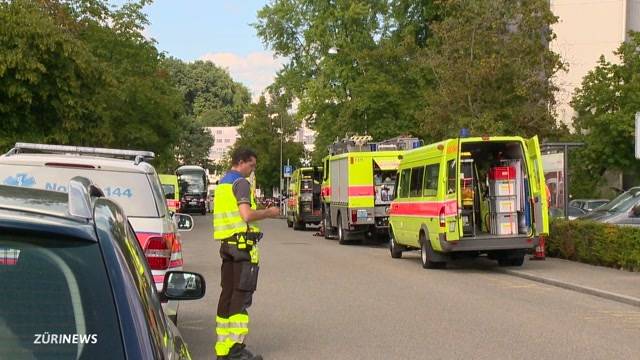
pixel 605 106
pixel 80 72
pixel 262 131
pixel 351 63
pixel 194 144
pixel 210 94
pixel 492 67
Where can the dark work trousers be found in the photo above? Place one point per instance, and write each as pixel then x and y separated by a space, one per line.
pixel 237 285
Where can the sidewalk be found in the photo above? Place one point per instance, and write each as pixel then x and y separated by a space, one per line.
pixel 612 284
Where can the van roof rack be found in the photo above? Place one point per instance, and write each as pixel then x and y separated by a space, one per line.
pixel 136 155
pixel 364 143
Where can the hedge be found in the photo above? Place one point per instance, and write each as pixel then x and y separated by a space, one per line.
pixel 595 243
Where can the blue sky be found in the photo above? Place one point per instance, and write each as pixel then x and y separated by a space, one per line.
pixel 215 30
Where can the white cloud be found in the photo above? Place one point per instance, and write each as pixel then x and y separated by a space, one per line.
pixel 256 70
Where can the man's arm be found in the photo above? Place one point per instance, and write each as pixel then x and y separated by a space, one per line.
pixel 242 192
pixel 249 215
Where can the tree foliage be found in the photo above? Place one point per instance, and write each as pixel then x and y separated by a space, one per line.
pixel 80 72
pixel 194 144
pixel 350 62
pixel 263 130
pixel 605 105
pixel 420 67
pixel 492 67
pixel 210 95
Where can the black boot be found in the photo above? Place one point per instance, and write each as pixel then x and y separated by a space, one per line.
pixel 240 352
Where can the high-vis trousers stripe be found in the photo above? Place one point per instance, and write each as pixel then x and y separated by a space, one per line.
pixel 230 331
pixel 223 342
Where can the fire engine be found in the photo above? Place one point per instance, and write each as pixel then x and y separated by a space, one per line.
pixel 358 184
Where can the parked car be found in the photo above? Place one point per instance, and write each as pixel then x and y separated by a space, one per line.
pixel 623 210
pixel 588 204
pixel 572 212
pixel 74 282
pixel 124 176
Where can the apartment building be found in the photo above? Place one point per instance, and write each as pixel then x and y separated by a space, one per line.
pixel 585 30
pixel 225 137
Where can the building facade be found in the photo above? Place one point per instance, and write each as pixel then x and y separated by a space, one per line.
pixel 587 29
pixel 225 137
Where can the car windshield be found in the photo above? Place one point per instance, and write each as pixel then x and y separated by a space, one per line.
pixel 622 203
pixel 131 190
pixel 591 205
pixel 192 183
pixel 56 300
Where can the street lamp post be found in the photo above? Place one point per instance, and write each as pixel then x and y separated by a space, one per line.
pixel 281 140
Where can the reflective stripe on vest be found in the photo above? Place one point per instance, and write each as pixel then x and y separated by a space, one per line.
pixel 226 215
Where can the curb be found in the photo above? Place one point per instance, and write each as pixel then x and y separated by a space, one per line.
pixel 629 300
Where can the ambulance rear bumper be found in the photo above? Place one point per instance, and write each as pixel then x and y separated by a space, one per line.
pixel 489 243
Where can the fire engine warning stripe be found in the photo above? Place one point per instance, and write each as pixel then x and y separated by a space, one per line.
pixel 366 190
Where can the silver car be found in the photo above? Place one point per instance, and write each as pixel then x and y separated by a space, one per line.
pixel 123 176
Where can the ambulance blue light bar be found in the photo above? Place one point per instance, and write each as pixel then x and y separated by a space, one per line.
pixel 66 149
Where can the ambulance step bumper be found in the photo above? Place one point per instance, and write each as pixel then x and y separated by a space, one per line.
pixel 488 243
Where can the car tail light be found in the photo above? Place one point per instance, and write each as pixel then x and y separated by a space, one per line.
pixel 443 220
pixel 354 216
pixel 176 253
pixel 158 253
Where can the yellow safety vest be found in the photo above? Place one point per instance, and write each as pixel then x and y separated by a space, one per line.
pixel 227 221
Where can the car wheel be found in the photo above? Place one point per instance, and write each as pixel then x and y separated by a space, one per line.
pixel 394 248
pixel 427 254
pixel 289 223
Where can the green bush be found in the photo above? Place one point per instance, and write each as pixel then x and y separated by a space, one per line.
pixel 595 243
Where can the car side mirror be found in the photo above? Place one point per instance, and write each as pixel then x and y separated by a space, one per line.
pixel 183 221
pixel 183 285
pixel 635 211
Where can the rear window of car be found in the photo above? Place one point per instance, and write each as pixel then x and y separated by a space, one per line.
pixel 169 190
pixel 130 189
pixel 56 300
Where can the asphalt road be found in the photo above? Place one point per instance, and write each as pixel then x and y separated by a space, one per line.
pixel 317 299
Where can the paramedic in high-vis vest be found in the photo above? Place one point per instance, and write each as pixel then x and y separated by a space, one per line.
pixel 235 226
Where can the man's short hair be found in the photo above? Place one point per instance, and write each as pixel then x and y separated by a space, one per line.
pixel 242 154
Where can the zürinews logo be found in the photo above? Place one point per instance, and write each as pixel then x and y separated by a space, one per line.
pixel 21 179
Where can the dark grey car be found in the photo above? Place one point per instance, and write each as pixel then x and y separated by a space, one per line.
pixel 75 283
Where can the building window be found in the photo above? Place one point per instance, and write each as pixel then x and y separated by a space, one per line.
pixel 226 141
pixel 219 132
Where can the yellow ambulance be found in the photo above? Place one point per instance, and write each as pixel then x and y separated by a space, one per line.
pixel 470 196
pixel 171 191
pixel 357 189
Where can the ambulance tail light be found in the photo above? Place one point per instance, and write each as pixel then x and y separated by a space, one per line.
pixel 442 219
pixel 176 253
pixel 157 250
pixel 354 216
